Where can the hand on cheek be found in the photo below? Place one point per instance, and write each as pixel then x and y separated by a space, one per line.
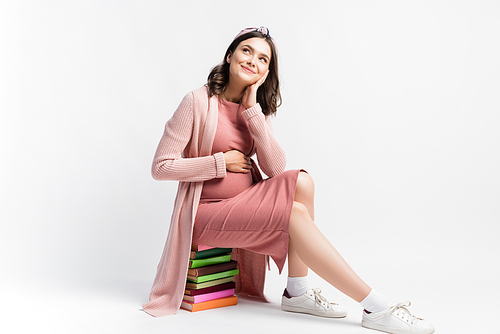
pixel 250 96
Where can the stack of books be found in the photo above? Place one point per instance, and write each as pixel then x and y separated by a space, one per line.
pixel 210 279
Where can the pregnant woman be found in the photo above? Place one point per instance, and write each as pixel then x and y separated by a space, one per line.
pixel 222 200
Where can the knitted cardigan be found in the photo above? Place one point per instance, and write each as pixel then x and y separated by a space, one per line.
pixel 185 154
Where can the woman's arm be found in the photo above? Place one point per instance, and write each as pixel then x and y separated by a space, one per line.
pixel 168 163
pixel 271 156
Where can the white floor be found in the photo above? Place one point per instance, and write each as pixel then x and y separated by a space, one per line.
pixel 458 304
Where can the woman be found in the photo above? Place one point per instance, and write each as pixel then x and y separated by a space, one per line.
pixel 222 200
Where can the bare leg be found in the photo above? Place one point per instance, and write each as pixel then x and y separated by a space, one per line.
pixel 304 194
pixel 296 268
pixel 310 248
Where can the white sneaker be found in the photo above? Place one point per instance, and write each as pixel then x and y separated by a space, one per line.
pixel 396 320
pixel 312 302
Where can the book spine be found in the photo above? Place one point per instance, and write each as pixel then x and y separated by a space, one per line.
pixel 213 295
pixel 213 268
pixel 223 286
pixel 211 304
pixel 200 247
pixel 199 286
pixel 209 253
pixel 214 276
pixel 209 261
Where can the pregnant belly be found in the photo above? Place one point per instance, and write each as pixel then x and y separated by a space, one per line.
pixel 230 186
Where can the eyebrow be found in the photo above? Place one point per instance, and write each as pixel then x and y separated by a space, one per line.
pixel 248 46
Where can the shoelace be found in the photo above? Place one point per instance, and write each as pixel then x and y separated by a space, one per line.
pixel 402 312
pixel 320 300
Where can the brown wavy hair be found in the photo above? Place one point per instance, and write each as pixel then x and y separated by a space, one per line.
pixel 268 94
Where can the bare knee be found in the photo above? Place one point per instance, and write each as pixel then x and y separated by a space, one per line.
pixel 300 214
pixel 300 220
pixel 305 185
pixel 299 208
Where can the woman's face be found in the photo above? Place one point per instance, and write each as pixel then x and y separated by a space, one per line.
pixel 249 61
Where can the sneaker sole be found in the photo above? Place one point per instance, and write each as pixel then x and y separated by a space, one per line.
pixel 394 330
pixel 288 308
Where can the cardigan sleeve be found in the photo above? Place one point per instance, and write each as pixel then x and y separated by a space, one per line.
pixel 169 164
pixel 271 156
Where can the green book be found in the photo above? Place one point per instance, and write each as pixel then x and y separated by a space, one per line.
pixel 209 253
pixel 210 277
pixel 209 261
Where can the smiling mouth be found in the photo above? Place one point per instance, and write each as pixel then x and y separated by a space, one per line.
pixel 248 70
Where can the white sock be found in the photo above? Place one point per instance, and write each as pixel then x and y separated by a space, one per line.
pixel 375 302
pixel 297 286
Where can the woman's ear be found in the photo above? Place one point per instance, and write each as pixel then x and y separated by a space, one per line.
pixel 228 59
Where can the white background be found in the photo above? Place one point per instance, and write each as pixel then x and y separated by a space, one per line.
pixel 392 106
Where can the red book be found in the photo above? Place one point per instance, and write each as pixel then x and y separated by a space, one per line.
pixel 215 268
pixel 215 288
pixel 196 247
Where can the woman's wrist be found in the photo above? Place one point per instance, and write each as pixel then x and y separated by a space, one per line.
pixel 220 165
pixel 252 111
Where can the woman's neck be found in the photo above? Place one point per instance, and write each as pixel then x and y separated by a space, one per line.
pixel 232 93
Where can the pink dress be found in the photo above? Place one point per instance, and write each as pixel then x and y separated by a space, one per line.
pixel 184 155
pixel 235 212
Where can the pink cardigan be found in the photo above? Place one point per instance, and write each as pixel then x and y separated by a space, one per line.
pixel 184 154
